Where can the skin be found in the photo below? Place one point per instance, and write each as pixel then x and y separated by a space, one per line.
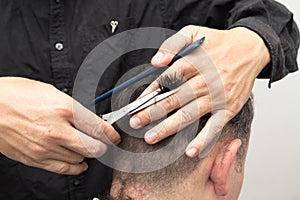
pixel 37 127
pixel 37 121
pixel 230 61
pixel 215 178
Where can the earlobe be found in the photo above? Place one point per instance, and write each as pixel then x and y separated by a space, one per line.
pixel 221 167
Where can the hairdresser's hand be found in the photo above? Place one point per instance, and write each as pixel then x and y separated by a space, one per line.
pixel 219 78
pixel 37 127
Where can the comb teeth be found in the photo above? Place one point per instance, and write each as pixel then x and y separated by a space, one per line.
pixel 169 82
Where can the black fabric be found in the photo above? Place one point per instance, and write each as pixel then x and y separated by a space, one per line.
pixel 30 30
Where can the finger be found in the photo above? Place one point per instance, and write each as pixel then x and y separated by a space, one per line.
pixel 152 87
pixel 84 145
pixel 74 140
pixel 179 120
pixel 180 69
pixel 49 165
pixel 60 167
pixel 55 166
pixel 92 125
pixel 185 68
pixel 208 136
pixel 28 151
pixel 173 45
pixel 95 148
pixel 27 157
pixel 62 154
pixel 40 153
pixel 190 90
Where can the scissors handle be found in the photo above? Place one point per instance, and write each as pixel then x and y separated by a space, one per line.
pixel 114 116
pixel 154 100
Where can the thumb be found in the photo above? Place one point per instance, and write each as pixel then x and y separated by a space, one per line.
pixel 172 46
pixel 161 58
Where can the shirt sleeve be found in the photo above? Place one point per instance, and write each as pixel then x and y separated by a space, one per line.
pixel 275 25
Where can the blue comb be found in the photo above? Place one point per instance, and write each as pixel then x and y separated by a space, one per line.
pixel 149 71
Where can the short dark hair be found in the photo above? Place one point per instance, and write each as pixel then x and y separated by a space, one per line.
pixel 132 140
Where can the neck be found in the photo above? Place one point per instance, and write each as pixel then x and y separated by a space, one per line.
pixel 192 187
pixel 139 193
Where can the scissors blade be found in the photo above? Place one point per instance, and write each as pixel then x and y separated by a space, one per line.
pixel 154 100
pixel 114 116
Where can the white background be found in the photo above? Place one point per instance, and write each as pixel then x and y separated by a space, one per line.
pixel 273 163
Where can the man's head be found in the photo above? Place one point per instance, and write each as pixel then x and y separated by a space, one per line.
pixel 217 175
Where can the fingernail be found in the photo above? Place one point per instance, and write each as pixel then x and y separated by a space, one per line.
pixel 135 122
pixel 159 57
pixel 192 152
pixel 85 167
pixel 151 137
pixel 118 141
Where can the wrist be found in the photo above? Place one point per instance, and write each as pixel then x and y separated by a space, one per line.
pixel 256 46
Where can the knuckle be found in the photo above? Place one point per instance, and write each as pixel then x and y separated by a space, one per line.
pixel 145 115
pixel 228 88
pixel 236 105
pixel 63 106
pixel 27 161
pixel 104 133
pixel 204 105
pixel 155 112
pixel 65 109
pixel 191 67
pixel 98 131
pixel 98 150
pixel 171 102
pixel 186 115
pixel 75 159
pixel 62 168
pixel 37 153
pixel 216 129
pixel 81 159
pixel 201 83
pixel 163 130
pixel 188 28
pixel 233 107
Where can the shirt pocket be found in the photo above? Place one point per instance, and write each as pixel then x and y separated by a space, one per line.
pixel 94 34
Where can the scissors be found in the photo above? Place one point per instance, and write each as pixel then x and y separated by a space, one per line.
pixel 137 105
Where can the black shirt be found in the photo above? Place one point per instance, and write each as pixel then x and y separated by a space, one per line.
pixel 48 40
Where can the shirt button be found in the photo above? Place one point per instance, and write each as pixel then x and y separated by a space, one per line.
pixel 65 90
pixel 76 182
pixel 59 46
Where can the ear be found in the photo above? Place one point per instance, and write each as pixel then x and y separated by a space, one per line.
pixel 221 167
